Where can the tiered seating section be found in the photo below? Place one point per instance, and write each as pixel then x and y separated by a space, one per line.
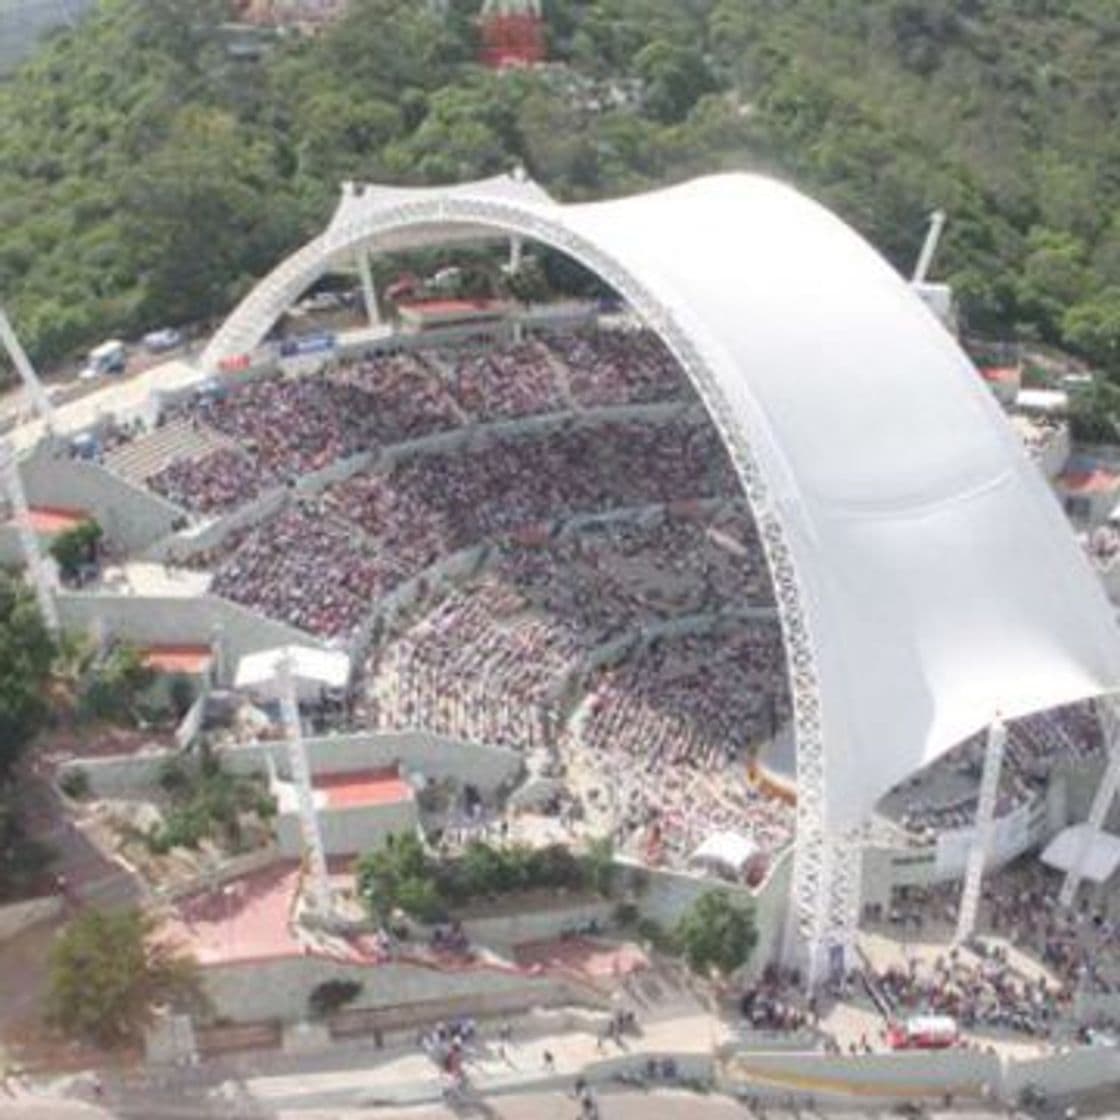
pixel 619 607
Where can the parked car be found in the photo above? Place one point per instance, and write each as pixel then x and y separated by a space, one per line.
pixel 159 341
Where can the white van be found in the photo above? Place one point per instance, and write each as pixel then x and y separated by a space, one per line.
pixel 109 357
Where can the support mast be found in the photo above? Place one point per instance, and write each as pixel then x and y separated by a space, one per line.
pixel 1102 800
pixel 301 778
pixel 985 830
pixel 37 571
pixel 26 371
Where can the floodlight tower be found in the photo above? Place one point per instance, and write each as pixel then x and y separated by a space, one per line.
pixel 301 778
pixel 512 33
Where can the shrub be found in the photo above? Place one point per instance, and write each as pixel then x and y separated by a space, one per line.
pixel 75 783
pixel 331 996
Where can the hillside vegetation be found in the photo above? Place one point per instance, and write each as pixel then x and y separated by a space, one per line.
pixel 146 176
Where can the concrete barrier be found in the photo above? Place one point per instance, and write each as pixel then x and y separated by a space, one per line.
pixel 1073 1071
pixel 17 917
pixel 884 1078
pixel 250 991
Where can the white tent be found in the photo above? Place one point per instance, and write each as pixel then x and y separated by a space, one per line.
pixel 312 670
pixel 729 850
pixel 1101 855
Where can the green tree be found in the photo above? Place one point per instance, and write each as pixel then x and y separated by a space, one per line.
pixel 675 78
pixel 22 859
pixel 1093 327
pixel 26 655
pixel 716 933
pixel 76 547
pixel 108 975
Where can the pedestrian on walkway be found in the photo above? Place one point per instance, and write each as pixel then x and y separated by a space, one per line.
pixel 549 1062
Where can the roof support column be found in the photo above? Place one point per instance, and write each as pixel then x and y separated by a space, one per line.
pixel 985 830
pixel 301 778
pixel 369 292
pixel 1102 799
pixel 516 245
pixel 41 578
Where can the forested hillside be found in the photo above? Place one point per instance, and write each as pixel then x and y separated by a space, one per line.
pixel 146 175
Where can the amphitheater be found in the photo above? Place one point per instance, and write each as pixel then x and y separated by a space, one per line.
pixel 739 570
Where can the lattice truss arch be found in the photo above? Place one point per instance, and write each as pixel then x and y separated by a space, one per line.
pixel 826 878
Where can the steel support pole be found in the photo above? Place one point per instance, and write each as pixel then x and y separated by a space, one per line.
pixel 985 830
pixel 37 572
pixel 301 778
pixel 369 292
pixel 26 371
pixel 1102 801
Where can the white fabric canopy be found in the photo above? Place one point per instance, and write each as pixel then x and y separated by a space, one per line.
pixel 1102 857
pixel 729 849
pixel 939 580
pixel 312 669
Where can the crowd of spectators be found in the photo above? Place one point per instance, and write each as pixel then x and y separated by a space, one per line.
pixel 506 381
pixel 670 731
pixel 404 395
pixel 219 481
pixel 307 569
pixel 980 990
pixel 944 796
pixel 288 426
pixel 499 486
pixel 618 367
pixel 520 632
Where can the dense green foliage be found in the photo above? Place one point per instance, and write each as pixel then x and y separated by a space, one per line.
pixel 76 547
pixel 331 996
pixel 26 655
pixel 111 687
pixel 23 860
pixel 146 176
pixel 402 875
pixel 107 976
pixel 206 802
pixel 716 933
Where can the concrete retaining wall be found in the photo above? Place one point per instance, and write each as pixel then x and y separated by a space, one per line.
pixel 132 518
pixel 123 776
pixel 415 751
pixel 17 917
pixel 536 925
pixel 152 620
pixel 1071 1072
pixel 668 894
pixel 881 1077
pixel 278 989
pixel 349 831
